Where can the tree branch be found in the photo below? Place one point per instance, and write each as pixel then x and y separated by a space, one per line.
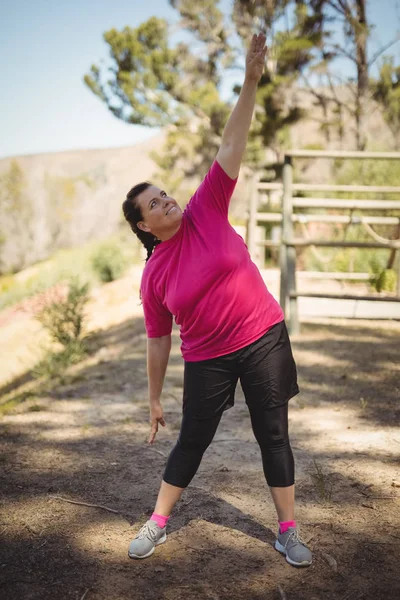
pixel 383 49
pixel 86 504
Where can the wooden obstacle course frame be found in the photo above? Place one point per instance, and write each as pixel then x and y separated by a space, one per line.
pixel 288 244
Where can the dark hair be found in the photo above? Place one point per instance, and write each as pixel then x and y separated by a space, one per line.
pixel 133 215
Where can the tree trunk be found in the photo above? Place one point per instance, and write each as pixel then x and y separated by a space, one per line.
pixel 361 35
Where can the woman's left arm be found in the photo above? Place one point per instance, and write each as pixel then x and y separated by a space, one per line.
pixel 234 138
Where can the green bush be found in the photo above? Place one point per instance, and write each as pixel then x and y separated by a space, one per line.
pixel 54 364
pixel 375 262
pixel 63 318
pixel 108 262
pixel 385 281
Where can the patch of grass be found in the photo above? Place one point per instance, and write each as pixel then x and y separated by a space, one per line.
pixel 9 405
pixel 54 364
pixel 36 408
pixel 127 420
pixel 322 485
pixel 363 403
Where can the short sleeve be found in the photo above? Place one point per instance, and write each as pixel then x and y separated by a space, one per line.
pixel 214 192
pixel 157 318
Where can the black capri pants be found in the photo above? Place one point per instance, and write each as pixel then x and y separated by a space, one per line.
pixel 268 377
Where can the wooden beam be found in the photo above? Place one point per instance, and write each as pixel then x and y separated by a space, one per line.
pixel 346 204
pixel 346 297
pixel 342 154
pixel 329 244
pixel 355 220
pixel 311 187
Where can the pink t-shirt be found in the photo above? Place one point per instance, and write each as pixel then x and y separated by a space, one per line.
pixel 204 277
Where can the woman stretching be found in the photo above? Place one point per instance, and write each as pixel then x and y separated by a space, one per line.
pixel 230 325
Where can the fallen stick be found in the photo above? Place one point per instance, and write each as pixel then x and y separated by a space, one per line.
pixel 383 497
pixel 85 504
pixel 281 592
pixel 83 597
pixel 158 452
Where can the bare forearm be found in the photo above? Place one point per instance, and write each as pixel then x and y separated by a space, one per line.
pixel 237 127
pixel 158 350
pixel 234 138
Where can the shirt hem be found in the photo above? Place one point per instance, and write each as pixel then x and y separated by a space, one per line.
pixel 187 357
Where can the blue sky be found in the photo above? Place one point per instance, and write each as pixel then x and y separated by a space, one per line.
pixel 47 47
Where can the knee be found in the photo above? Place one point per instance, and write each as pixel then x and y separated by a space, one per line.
pixel 191 446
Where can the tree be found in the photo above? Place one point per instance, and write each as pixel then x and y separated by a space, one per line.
pixel 353 15
pixel 15 219
pixel 151 83
pixel 386 91
pixel 354 47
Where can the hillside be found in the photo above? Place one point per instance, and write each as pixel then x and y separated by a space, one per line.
pixel 64 199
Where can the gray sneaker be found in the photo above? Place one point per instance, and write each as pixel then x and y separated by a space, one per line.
pixel 150 536
pixel 290 544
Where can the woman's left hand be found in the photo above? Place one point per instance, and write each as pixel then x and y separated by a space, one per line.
pixel 255 58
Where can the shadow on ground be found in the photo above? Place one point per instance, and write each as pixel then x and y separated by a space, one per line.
pixel 87 444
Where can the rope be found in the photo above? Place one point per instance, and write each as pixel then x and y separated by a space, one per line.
pixel 379 238
pixel 322 259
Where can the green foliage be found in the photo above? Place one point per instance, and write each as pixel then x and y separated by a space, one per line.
pixel 108 262
pixel 63 318
pixel 384 280
pixel 54 364
pixel 386 91
pixel 368 172
pixel 375 262
pixel 63 265
pixel 152 83
pixel 15 218
pixel 12 186
pixel 322 484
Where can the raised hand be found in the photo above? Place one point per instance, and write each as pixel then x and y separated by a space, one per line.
pixel 255 58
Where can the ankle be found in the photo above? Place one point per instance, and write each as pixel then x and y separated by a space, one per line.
pixel 159 519
pixel 284 525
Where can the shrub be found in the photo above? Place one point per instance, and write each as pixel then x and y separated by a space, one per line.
pixel 385 281
pixel 54 364
pixel 108 262
pixel 63 317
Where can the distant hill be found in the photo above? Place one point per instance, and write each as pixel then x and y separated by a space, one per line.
pixel 63 199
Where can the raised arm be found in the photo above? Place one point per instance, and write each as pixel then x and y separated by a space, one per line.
pixel 234 138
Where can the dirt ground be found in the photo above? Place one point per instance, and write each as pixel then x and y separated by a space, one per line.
pixel 85 441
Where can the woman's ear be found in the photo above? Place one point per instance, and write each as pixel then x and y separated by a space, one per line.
pixel 141 225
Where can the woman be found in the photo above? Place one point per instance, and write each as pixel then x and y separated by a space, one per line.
pixel 231 328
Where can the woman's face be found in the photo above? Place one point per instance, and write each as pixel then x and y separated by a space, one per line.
pixel 161 213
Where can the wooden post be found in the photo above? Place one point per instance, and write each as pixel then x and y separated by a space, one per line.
pixel 288 252
pixel 283 295
pixel 398 273
pixel 252 222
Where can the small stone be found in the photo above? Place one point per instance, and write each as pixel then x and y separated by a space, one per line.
pixel 159 569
